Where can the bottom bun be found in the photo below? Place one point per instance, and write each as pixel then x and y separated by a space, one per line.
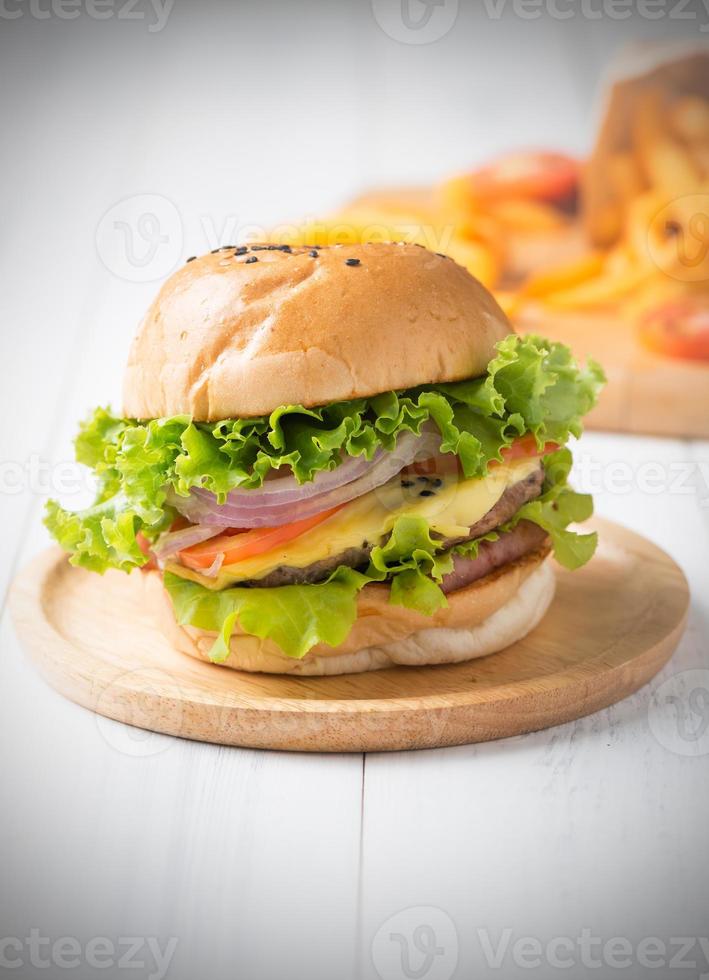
pixel 482 618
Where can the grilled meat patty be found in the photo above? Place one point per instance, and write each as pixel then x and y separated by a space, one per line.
pixel 521 540
pixel 505 508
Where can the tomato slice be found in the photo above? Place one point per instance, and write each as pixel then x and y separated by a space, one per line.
pixel 237 547
pixel 144 546
pixel 536 176
pixel 525 448
pixel 447 464
pixel 678 328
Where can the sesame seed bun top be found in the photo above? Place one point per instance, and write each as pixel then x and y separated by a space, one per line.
pixel 237 333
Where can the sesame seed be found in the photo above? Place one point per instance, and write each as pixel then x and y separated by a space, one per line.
pixel 241 250
pixel 251 258
pixel 351 261
pixel 313 253
pixel 260 248
pixel 191 258
pixel 284 248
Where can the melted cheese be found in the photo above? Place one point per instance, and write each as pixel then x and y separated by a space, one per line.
pixel 452 508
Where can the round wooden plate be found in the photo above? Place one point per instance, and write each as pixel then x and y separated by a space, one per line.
pixel 611 627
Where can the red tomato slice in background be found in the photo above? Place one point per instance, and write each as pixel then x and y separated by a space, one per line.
pixel 678 328
pixel 536 176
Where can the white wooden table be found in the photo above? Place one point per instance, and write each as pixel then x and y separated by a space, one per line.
pixel 468 862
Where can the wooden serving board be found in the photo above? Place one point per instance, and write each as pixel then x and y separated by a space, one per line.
pixel 646 393
pixel 611 627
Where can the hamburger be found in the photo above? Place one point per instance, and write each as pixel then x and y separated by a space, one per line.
pixel 335 459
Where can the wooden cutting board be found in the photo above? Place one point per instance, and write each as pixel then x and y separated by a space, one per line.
pixel 611 627
pixel 646 393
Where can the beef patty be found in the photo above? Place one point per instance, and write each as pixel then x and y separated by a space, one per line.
pixel 521 540
pixel 505 508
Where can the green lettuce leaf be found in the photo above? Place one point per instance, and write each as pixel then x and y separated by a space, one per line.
pixel 296 617
pixel 531 385
pixel 557 507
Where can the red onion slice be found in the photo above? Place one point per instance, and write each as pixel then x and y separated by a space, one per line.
pixel 170 542
pixel 202 507
pixel 213 569
pixel 286 489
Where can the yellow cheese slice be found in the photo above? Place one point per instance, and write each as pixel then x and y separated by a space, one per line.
pixel 449 509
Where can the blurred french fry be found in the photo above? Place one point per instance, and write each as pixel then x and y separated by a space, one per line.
pixel 525 215
pixel 477 258
pixel 664 162
pixel 607 224
pixel 601 291
pixel 626 182
pixel 454 194
pixel 625 177
pixel 370 225
pixel 457 206
pixel 689 119
pixel 700 155
pixel 671 167
pixel 509 302
pixel 564 277
pixel 646 127
pixel 656 291
pixel 642 213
